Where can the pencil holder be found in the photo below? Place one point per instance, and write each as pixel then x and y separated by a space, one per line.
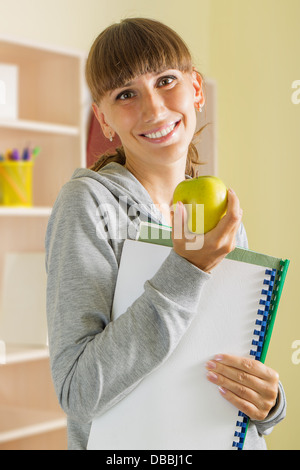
pixel 16 183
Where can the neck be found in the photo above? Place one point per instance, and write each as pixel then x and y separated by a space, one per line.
pixel 160 182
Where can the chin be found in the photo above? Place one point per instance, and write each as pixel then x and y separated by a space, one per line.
pixel 175 153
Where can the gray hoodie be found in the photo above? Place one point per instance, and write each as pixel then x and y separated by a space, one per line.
pixel 96 362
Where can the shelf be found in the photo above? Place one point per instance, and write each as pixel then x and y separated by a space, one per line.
pixel 25 211
pixel 14 354
pixel 53 114
pixel 17 423
pixel 36 126
pixel 19 48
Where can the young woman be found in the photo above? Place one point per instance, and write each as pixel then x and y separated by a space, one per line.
pixel 145 90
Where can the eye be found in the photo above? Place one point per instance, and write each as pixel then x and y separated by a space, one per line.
pixel 164 81
pixel 125 95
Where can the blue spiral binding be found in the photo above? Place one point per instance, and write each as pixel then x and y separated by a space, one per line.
pixel 242 433
pixel 262 322
pixel 260 331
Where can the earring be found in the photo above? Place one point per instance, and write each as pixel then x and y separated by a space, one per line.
pixel 110 137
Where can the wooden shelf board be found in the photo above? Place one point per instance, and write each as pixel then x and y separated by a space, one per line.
pixel 25 211
pixel 17 423
pixel 38 50
pixel 12 354
pixel 36 126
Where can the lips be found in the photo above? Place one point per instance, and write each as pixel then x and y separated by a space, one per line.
pixel 161 132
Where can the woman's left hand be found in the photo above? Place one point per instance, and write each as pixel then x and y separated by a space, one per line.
pixel 246 383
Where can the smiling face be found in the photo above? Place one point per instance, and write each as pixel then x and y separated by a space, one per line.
pixel 153 114
pixel 144 87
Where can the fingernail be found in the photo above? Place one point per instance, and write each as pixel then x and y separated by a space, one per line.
pixel 222 390
pixel 211 376
pixel 218 357
pixel 211 365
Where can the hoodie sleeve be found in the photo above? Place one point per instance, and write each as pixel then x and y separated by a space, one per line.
pixel 276 415
pixel 95 362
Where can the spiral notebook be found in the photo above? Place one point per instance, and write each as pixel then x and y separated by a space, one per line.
pixel 175 407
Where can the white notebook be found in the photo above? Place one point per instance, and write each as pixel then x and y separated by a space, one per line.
pixel 176 407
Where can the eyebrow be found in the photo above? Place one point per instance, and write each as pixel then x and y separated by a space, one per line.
pixel 128 84
pixel 120 87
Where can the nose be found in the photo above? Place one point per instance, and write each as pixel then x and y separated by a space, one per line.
pixel 153 106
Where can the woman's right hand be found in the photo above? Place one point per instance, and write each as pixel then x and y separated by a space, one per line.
pixel 207 251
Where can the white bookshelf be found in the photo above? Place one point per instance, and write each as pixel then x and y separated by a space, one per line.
pixel 54 106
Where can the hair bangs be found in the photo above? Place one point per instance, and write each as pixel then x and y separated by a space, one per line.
pixel 132 48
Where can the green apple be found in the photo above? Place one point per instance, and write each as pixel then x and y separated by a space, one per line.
pixel 211 193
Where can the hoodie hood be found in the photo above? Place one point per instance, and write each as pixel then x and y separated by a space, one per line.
pixel 123 185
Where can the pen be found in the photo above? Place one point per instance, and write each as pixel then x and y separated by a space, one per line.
pixel 35 153
pixel 15 155
pixel 7 155
pixel 26 154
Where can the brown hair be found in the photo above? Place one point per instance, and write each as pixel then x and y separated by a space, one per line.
pixel 125 50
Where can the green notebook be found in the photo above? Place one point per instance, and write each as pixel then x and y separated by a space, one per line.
pixel 275 270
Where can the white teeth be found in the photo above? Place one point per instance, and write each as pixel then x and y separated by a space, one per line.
pixel 157 135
